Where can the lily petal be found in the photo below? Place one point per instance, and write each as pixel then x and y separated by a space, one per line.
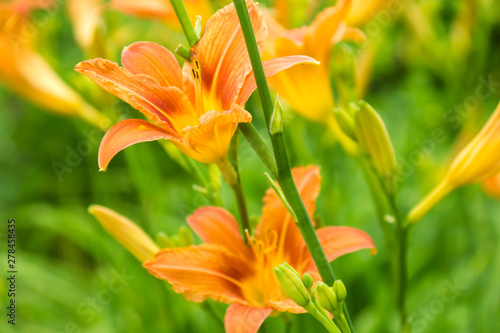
pixel 244 319
pixel 201 272
pixel 126 133
pixel 216 225
pixel 271 67
pixel 275 217
pixel 320 33
pixel 223 56
pixel 286 305
pixel 166 107
pixel 337 241
pixel 154 60
pixel 209 141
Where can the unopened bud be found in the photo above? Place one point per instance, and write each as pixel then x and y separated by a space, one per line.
pixel 340 290
pixel 374 141
pixel 131 236
pixel 345 122
pixel 276 125
pixel 307 280
pixel 185 237
pixel 292 284
pixel 326 297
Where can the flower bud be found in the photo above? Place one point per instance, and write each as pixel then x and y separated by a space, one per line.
pixel 340 290
pixel 477 162
pixel 307 280
pixel 375 142
pixel 131 236
pixel 276 125
pixel 292 284
pixel 326 297
pixel 345 122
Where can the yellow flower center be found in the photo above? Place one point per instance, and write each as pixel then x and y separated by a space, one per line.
pixel 264 285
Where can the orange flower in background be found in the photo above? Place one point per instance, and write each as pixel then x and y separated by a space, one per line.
pixel 197 107
pixel 162 9
pixel 27 73
pixel 228 270
pixel 307 90
pixel 492 186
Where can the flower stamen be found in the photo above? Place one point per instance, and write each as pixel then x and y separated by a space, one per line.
pixel 198 88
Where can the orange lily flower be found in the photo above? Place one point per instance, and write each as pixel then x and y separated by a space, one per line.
pixel 26 73
pixel 226 269
pixel 162 9
pixel 197 107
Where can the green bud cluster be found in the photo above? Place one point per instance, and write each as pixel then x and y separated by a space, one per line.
pixel 301 291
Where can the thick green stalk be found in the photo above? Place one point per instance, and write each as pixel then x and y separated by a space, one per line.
pixel 183 18
pixel 284 174
pixel 253 137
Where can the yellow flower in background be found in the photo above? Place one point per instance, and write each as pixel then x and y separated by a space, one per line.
pixel 364 10
pixel 477 162
pixel 85 16
pixel 131 236
pixel 307 89
pixel 27 73
pixel 197 107
pixel 162 9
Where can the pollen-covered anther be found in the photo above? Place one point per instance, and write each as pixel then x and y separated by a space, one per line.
pixel 198 87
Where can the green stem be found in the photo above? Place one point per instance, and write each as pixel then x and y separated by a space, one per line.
pixel 325 321
pixel 401 272
pixel 231 177
pixel 378 194
pixel 182 16
pixel 343 323
pixel 284 174
pixel 253 137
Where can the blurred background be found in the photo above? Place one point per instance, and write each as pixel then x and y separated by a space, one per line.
pixel 426 66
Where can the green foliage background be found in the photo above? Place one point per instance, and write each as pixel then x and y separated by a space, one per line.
pixel 68 264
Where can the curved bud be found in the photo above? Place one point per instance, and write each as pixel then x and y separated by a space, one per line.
pixel 131 236
pixel 326 297
pixel 292 284
pixel 340 290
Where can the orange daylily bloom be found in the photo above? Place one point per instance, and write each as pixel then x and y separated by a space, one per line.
pixel 307 90
pixel 228 270
pixel 26 72
pixel 162 9
pixel 197 107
